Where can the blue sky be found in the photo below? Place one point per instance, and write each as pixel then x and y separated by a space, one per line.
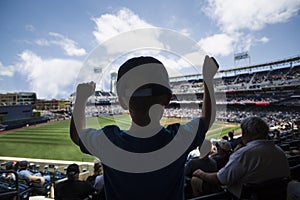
pixel 43 44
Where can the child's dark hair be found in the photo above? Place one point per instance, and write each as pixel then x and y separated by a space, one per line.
pixel 156 89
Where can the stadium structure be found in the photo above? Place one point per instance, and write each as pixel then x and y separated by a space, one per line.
pixel 270 90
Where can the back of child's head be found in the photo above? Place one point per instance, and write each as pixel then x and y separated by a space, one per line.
pixel 142 80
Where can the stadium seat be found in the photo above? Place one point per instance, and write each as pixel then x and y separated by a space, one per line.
pixel 284 147
pixel 215 196
pixel 295 172
pixel 13 189
pixel 294 160
pixel 275 189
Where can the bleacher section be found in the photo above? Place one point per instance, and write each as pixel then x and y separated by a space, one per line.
pixel 23 189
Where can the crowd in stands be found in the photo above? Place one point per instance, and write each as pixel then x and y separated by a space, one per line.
pixel 103 110
pixel 61 185
pixel 277 119
pixel 245 81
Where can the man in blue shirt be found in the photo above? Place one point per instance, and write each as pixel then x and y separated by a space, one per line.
pixel 146 161
pixel 26 174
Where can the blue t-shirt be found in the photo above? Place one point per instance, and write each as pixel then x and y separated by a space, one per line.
pixel 164 183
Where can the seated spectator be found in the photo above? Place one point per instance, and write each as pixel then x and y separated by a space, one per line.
pixel 97 179
pixel 9 176
pixel 72 188
pixel 26 174
pixel 221 157
pixel 260 160
pixel 293 190
pixel 225 137
pixel 233 141
pixel 205 163
pixel 194 154
pixel 276 134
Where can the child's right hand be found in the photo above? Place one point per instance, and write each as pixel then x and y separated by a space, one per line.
pixel 85 90
pixel 210 68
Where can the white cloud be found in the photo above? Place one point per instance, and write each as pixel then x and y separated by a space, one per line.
pixel 263 40
pixel 6 70
pixel 49 78
pixel 218 44
pixel 236 15
pixel 238 21
pixel 110 25
pixel 42 42
pixel 69 46
pixel 122 27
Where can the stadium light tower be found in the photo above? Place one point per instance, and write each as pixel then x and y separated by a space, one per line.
pixel 113 83
pixel 242 56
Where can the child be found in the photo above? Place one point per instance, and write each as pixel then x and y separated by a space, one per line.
pixel 148 172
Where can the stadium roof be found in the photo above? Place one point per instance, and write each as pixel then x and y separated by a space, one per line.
pixel 295 59
pixel 282 62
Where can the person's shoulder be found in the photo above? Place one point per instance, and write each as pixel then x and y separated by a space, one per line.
pixel 106 129
pixel 82 182
pixel 111 129
pixel 61 184
pixel 24 172
pixel 193 160
pixel 215 156
pixel 99 177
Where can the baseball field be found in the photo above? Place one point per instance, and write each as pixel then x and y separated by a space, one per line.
pixel 52 141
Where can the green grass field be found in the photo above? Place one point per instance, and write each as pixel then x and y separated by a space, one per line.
pixel 52 141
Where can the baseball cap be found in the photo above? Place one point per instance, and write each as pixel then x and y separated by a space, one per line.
pixel 23 164
pixel 97 165
pixel 141 77
pixel 205 148
pixel 9 165
pixel 73 169
pixel 224 144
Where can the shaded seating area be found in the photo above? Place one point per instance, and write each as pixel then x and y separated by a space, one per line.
pixel 275 189
pixel 13 189
pixel 289 142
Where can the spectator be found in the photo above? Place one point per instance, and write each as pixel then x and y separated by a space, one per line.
pixel 293 190
pixel 26 174
pixel 233 141
pixel 9 176
pixel 225 137
pixel 166 182
pixel 260 160
pixel 194 154
pixel 97 179
pixel 222 154
pixel 72 188
pixel 205 163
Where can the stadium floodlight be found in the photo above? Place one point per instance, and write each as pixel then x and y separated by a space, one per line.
pixel 97 70
pixel 242 56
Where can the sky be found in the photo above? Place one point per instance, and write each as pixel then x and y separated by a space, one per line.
pixel 44 44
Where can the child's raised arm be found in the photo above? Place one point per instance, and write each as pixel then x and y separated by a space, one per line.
pixel 83 92
pixel 210 68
